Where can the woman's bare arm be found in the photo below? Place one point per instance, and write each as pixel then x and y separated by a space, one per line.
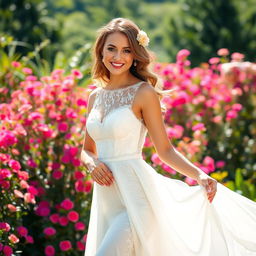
pixel 152 115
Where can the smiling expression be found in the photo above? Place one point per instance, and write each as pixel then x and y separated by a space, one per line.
pixel 117 55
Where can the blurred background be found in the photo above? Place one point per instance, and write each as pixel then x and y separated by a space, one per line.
pixel 200 26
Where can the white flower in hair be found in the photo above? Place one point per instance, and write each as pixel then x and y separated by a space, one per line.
pixel 142 38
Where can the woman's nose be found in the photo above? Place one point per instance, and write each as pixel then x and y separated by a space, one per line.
pixel 117 55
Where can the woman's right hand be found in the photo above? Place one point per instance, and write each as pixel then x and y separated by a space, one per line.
pixel 102 174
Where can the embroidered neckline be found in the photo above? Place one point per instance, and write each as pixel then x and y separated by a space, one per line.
pixel 123 88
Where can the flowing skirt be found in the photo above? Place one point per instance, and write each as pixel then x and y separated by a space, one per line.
pixel 144 213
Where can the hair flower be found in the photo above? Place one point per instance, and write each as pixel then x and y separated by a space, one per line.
pixel 142 38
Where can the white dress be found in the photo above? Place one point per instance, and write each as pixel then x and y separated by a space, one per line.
pixel 144 213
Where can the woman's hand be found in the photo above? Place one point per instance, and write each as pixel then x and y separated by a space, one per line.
pixel 209 184
pixel 102 174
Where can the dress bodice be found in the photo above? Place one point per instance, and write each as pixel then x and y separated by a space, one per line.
pixel 113 125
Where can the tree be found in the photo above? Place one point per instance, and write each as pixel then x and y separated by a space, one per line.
pixel 203 27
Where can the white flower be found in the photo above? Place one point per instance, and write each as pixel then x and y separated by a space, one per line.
pixel 142 38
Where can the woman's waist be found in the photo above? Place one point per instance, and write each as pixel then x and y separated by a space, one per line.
pixel 121 157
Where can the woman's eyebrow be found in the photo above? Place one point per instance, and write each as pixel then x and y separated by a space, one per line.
pixel 115 46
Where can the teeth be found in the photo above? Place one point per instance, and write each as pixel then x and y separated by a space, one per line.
pixel 118 65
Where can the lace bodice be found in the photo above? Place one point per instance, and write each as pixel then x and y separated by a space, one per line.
pixel 112 124
pixel 108 100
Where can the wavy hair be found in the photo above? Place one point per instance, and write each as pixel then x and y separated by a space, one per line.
pixel 143 56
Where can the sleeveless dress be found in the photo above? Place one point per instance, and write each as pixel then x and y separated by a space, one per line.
pixel 144 213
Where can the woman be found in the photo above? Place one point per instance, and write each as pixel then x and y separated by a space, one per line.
pixel 135 210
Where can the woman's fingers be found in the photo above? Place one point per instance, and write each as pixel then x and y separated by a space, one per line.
pixel 102 175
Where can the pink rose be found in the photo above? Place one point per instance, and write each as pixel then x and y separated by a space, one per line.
pixel 73 216
pixel 29 239
pixel 54 218
pixel 49 250
pixel 80 246
pixel 78 175
pixel 199 126
pixel 67 204
pixel 7 250
pixel 223 52
pixel 14 239
pixel 63 127
pixel 79 226
pixel 5 226
pixel 14 164
pixel 22 231
pixel 76 73
pixel 63 221
pixel 65 245
pixel 11 208
pixel 57 174
pixel 49 231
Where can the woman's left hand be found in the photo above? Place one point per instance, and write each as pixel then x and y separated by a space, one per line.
pixel 209 184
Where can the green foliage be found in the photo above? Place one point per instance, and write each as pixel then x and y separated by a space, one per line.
pixel 27 21
pixel 203 27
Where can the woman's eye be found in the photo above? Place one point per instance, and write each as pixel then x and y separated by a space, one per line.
pixel 127 51
pixel 110 48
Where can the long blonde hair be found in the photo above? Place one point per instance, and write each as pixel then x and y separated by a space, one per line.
pixel 144 57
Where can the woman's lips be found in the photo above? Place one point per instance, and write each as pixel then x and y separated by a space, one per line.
pixel 116 65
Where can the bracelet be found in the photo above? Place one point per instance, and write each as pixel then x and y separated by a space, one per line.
pixel 89 170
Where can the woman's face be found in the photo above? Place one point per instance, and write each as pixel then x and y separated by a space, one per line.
pixel 117 55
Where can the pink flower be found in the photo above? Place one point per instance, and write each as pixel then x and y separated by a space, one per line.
pixel 14 164
pixel 27 71
pixel 5 173
pixel 209 163
pixel 16 64
pixel 214 60
pixel 167 168
pixel 63 127
pixel 29 239
pixel 49 250
pixel 18 194
pixel 22 231
pixel 223 52
pixel 79 226
pixel 14 239
pixel 65 245
pixel 88 186
pixel 80 246
pixel 78 175
pixel 155 159
pixel 182 54
pixel 49 231
pixel 7 250
pixel 32 190
pixel 76 73
pixel 220 164
pixel 79 186
pixel 11 208
pixel 23 175
pixel 231 114
pixel 81 102
pixel 29 198
pixel 63 221
pixel 5 184
pixel 31 163
pixel 73 216
pixel 67 204
pixel 54 218
pixel 5 226
pixel 236 56
pixel 237 107
pixel 43 209
pixel 199 126
pixel 7 139
pixel 57 174
pixel 175 132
